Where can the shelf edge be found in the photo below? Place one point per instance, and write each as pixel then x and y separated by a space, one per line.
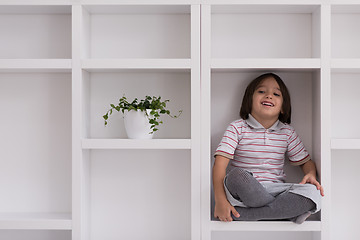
pixel 345 143
pixel 89 64
pixel 340 63
pixel 292 63
pixel 35 64
pixel 19 221
pixel 136 144
pixel 265 226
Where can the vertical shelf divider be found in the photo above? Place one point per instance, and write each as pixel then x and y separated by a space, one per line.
pixel 325 87
pixel 80 166
pixel 205 121
pixel 195 123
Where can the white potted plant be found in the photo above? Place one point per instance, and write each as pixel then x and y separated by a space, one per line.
pixel 141 118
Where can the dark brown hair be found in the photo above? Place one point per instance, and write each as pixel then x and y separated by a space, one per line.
pixel 246 106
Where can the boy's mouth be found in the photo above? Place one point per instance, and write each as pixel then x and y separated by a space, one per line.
pixel 268 104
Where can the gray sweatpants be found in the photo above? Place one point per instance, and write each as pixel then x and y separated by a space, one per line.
pixel 261 204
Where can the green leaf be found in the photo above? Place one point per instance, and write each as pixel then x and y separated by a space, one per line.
pixel 154 103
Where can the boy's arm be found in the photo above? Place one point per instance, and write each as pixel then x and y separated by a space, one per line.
pixel 309 170
pixel 223 208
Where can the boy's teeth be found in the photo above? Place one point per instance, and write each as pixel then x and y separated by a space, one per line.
pixel 267 104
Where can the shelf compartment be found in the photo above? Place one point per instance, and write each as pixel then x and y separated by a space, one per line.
pixel 345 144
pixel 35 32
pixel 304 88
pixel 344 99
pixel 103 88
pixel 289 31
pixel 36 142
pixel 136 144
pixel 137 180
pixel 112 64
pixel 344 176
pixel 140 31
pixel 265 226
pixel 264 63
pixel 44 221
pixel 345 21
pixel 32 65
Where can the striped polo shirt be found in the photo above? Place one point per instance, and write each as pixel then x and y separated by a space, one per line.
pixel 262 151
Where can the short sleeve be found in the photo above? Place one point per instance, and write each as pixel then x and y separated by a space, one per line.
pixel 296 151
pixel 229 142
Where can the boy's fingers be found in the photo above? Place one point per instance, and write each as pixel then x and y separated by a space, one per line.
pixel 322 191
pixel 304 180
pixel 319 187
pixel 234 212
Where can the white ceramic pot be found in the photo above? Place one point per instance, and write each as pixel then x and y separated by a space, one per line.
pixel 137 124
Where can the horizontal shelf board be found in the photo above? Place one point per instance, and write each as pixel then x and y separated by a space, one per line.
pixel 49 221
pixel 136 144
pixel 262 63
pixel 345 143
pixel 265 6
pixel 35 64
pixel 265 226
pixel 111 64
pixel 345 6
pixel 34 7
pixel 140 7
pixel 345 63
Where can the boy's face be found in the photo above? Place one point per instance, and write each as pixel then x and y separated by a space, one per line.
pixel 267 100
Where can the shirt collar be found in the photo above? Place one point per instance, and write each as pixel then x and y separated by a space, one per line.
pixel 253 123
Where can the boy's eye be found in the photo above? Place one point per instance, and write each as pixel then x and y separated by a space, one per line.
pixel 261 91
pixel 277 94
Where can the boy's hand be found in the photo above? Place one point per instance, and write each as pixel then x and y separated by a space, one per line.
pixel 223 211
pixel 310 178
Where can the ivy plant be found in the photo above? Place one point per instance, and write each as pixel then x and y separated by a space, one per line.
pixel 155 104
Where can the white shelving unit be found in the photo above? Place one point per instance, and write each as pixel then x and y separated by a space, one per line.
pixel 62 62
